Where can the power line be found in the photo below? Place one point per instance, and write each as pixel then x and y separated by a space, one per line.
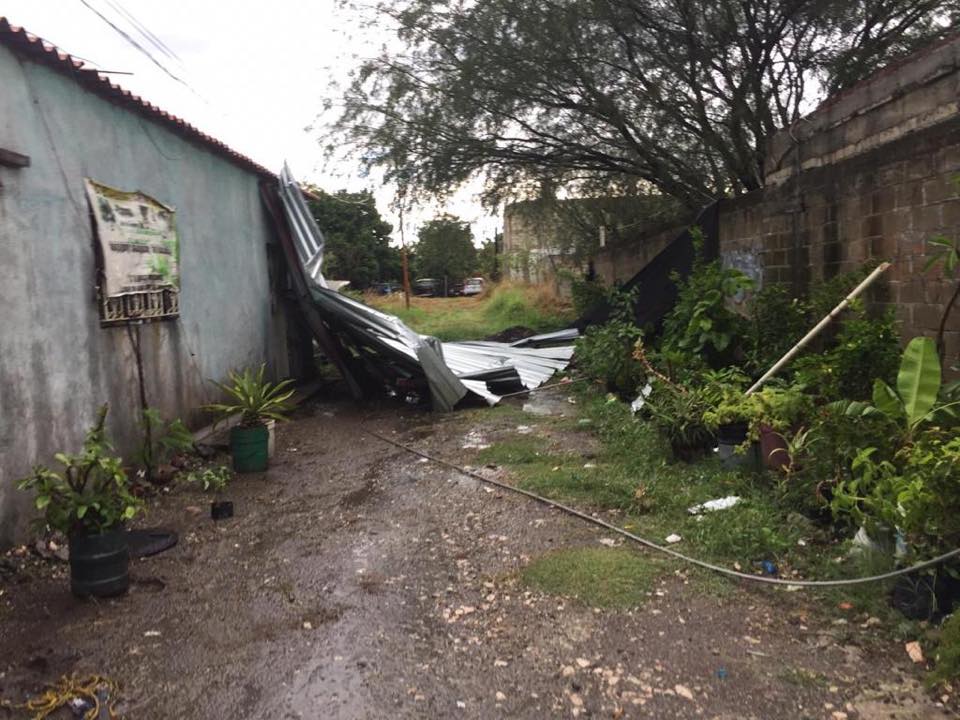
pixel 135 44
pixel 144 31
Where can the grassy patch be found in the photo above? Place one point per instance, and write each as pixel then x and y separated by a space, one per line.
pixel 598 577
pixel 522 450
pixel 472 318
pixel 802 677
pixel 948 651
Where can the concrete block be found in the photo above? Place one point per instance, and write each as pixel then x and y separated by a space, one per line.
pixel 937 189
pixel 928 219
pixel 919 167
pixel 926 317
pixel 909 194
pixel 950 210
pixel 871 226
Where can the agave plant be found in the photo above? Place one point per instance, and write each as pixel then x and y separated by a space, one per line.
pixel 255 399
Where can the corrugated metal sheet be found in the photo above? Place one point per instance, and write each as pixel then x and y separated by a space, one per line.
pixel 451 370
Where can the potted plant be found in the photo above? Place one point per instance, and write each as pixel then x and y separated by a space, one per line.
pixel 742 420
pixel 256 401
pixel 677 414
pixel 89 501
pixel 215 480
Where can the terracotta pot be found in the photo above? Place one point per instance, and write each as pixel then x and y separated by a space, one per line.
pixel 773 449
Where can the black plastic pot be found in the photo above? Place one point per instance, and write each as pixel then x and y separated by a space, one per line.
pixel 730 437
pixel 690 453
pixel 221 509
pixel 732 433
pixel 99 564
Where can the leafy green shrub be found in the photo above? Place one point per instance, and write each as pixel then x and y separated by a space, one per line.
pixel 916 489
pixel 677 413
pixel 701 323
pixel 948 651
pixel 778 320
pixel 91 495
pixel 780 408
pixel 209 479
pixel 605 352
pixel 586 294
pixel 161 440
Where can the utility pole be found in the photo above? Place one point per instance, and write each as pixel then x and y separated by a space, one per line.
pixel 403 259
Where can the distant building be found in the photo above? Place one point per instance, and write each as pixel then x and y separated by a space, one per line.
pixel 610 238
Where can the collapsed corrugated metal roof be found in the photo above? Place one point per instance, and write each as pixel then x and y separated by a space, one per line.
pixel 381 349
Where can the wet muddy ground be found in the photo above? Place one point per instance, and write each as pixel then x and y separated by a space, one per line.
pixel 359 581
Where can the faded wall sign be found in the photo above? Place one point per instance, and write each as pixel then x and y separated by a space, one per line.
pixel 139 250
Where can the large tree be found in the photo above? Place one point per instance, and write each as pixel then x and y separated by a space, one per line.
pixel 445 250
pixel 357 239
pixel 675 96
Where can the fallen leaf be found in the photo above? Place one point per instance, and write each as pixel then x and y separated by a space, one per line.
pixel 914 651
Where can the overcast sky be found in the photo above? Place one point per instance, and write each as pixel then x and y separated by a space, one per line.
pixel 258 75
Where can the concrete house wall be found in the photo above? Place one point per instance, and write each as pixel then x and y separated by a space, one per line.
pixel 57 364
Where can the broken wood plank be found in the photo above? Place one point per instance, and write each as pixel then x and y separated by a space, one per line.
pixel 9 158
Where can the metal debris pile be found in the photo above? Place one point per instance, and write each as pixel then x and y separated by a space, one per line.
pixel 372 348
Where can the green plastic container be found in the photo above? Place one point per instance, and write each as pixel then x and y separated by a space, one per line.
pixel 248 446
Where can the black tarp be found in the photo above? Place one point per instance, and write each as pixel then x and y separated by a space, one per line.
pixel 657 293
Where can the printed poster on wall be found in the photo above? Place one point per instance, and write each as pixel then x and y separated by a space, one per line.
pixel 140 273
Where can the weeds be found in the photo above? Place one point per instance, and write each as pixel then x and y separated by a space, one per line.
pixel 598 577
pixel 505 305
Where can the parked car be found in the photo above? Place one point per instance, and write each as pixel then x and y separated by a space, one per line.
pixel 427 286
pixel 473 286
pixel 388 288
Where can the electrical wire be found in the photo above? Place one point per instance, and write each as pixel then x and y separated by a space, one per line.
pixel 144 31
pixel 660 548
pixel 126 36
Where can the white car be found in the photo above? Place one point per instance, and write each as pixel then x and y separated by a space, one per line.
pixel 473 286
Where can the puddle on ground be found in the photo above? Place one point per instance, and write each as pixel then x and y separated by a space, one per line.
pixel 546 404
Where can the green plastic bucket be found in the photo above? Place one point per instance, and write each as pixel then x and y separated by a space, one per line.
pixel 248 446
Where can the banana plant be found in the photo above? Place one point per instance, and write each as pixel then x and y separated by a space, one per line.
pixel 918 397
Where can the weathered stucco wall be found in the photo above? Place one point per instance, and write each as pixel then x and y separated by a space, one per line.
pixel 532 250
pixel 618 263
pixel 875 173
pixel 56 362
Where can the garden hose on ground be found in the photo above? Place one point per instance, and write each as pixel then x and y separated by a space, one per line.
pixel 660 548
pixel 98 692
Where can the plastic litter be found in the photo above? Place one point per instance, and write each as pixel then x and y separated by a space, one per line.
pixel 641 400
pixel 769 568
pixel 722 673
pixel 711 505
pixel 674 538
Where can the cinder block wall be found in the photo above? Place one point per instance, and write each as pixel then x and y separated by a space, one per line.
pixel 873 174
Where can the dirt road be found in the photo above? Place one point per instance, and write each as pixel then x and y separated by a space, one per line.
pixel 357 581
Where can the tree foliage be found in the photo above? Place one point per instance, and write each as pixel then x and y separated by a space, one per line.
pixel 445 249
pixel 488 258
pixel 677 96
pixel 357 239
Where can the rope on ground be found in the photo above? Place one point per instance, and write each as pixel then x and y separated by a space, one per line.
pixel 660 548
pixel 97 691
pixel 562 383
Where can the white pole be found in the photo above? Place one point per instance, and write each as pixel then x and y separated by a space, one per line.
pixel 792 352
